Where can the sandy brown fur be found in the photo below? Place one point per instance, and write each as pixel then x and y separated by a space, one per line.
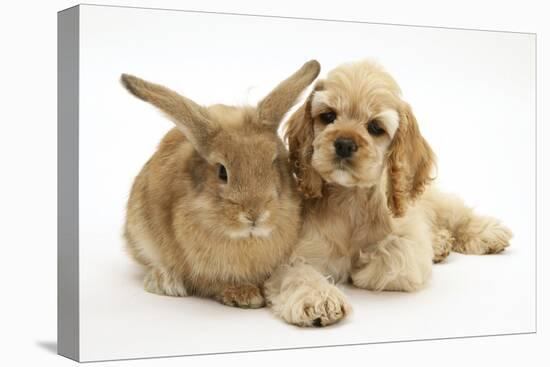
pixel 193 232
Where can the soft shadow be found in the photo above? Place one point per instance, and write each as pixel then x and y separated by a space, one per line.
pixel 50 346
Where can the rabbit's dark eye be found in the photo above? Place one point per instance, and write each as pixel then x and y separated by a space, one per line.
pixel 222 173
pixel 328 117
pixel 374 128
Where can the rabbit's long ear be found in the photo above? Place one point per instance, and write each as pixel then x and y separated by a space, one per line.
pixel 188 116
pixel 273 107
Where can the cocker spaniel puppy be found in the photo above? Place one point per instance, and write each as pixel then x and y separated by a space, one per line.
pixel 371 215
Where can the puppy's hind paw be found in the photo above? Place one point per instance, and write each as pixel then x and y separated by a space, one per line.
pixel 491 239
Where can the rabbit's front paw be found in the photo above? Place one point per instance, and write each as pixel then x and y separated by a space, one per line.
pixel 244 296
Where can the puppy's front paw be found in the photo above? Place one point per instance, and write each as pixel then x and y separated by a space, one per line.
pixel 244 296
pixel 394 264
pixel 315 306
pixel 164 283
pixel 442 244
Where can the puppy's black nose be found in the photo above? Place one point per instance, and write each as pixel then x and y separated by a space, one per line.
pixel 344 147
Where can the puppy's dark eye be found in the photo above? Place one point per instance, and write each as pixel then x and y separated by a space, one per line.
pixel 374 128
pixel 222 173
pixel 328 117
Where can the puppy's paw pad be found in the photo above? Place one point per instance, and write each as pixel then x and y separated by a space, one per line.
pixel 243 296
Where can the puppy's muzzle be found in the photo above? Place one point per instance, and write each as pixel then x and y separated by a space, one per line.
pixel 344 147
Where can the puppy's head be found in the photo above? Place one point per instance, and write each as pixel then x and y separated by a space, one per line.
pixel 355 131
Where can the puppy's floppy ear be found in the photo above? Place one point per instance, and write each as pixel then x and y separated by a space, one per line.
pixel 300 136
pixel 274 106
pixel 410 162
pixel 188 116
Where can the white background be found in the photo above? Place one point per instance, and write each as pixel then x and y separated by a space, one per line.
pixel 29 312
pixel 473 93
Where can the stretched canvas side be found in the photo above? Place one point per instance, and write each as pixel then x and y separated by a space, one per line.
pixel 67 184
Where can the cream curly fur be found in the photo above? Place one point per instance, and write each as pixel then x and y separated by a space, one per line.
pixel 373 218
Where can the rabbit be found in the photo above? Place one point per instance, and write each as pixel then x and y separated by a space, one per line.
pixel 215 209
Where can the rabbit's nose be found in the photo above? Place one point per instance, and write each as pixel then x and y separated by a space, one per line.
pixel 255 218
pixel 248 218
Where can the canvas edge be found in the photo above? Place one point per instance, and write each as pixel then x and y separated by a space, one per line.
pixel 68 122
pixel 68 330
